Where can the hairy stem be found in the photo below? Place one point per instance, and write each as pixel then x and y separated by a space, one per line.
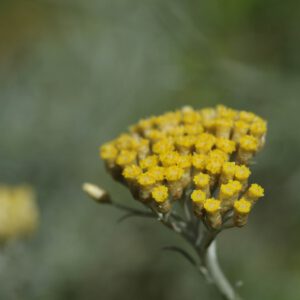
pixel 217 275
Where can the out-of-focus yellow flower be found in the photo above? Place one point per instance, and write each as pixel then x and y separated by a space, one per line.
pixel 18 212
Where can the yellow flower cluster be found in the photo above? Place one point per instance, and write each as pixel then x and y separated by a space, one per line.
pixel 18 212
pixel 202 155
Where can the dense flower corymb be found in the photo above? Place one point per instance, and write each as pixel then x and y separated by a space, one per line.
pixel 200 155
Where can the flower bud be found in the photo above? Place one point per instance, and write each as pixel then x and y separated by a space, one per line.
pixel 174 175
pixel 160 196
pixel 242 174
pixel 223 128
pixel 254 192
pixel 202 182
pixel 228 172
pixel 242 209
pixel 240 129
pixel 247 148
pixel 212 209
pixel 198 198
pixel 96 193
pixel 146 182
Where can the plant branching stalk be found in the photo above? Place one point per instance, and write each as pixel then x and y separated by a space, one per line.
pixel 203 241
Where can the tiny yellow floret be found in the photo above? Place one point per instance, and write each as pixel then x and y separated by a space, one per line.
pixel 214 165
pixel 258 128
pixel 157 172
pixel 212 205
pixel 246 116
pixel 132 172
pixel 160 193
pixel 229 169
pixel 226 145
pixel 198 196
pixel 169 158
pixel 174 173
pixel 205 142
pixel 163 146
pixel 236 185
pixel 227 190
pixel 199 161
pixel 148 162
pixel 184 161
pixel 242 206
pixel 255 191
pixel 108 151
pixel 146 179
pixel 242 173
pixel 249 143
pixel 126 157
pixel 201 180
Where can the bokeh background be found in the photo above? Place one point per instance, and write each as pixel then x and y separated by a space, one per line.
pixel 75 73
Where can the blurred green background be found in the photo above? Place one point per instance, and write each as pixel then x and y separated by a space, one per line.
pixel 75 73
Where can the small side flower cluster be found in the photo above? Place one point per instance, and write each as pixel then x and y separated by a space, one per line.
pixel 199 155
pixel 18 212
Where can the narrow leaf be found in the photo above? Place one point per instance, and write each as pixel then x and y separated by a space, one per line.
pixel 181 251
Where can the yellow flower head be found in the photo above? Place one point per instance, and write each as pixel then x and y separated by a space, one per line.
pixel 169 158
pixel 235 185
pixel 246 116
pixel 176 130
pixel 193 129
pixel 227 191
pixel 190 117
pixel 225 112
pixel 108 151
pixel 258 128
pixel 198 196
pixel 242 173
pixel 146 179
pixel 163 146
pixel 184 161
pixel 199 161
pixel 157 172
pixel 242 206
pixel 126 157
pixel 201 180
pixel 186 141
pixel 212 205
pixel 241 126
pixel 205 142
pixel 126 142
pixel 218 154
pixel 149 162
pixel 249 143
pixel 223 123
pixel 155 134
pixel 132 172
pixel 174 173
pixel 160 193
pixel 226 145
pixel 229 169
pixel 255 192
pixel 214 165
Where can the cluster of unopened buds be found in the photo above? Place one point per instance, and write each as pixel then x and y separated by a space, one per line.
pixel 18 212
pixel 200 156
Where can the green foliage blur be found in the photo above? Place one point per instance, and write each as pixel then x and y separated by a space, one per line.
pixel 75 73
